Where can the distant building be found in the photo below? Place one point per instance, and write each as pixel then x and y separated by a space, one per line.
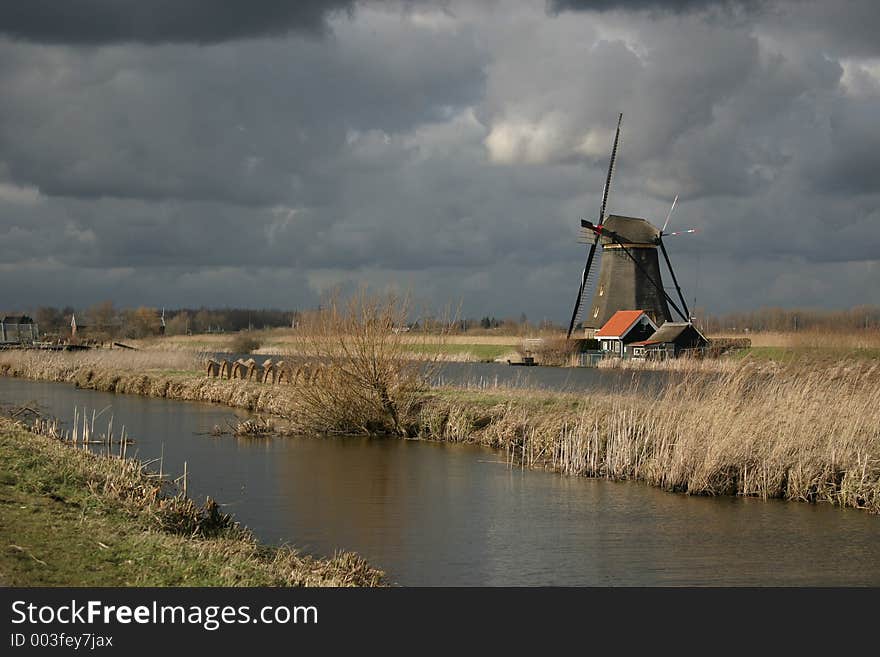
pixel 670 340
pixel 624 328
pixel 19 329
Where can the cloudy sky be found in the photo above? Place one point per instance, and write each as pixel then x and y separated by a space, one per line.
pixel 187 152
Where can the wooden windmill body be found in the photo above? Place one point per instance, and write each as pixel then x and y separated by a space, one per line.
pixel 622 285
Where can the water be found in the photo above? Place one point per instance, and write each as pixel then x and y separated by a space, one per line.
pixel 437 514
pixel 566 379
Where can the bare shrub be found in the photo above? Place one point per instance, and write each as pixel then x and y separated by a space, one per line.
pixel 244 343
pixel 553 350
pixel 368 381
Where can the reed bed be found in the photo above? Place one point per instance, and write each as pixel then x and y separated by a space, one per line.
pixel 792 433
pixel 682 364
pixel 61 365
pixel 812 339
pixel 170 375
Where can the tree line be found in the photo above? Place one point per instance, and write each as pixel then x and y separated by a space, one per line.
pixel 864 317
pixel 104 321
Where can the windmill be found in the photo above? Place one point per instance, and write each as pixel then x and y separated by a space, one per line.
pixel 629 276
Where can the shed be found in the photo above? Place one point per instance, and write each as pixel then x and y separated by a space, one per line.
pixel 18 329
pixel 669 341
pixel 624 328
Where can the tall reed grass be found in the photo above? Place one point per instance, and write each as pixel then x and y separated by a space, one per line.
pixel 60 365
pixel 816 338
pixel 793 433
pixel 683 364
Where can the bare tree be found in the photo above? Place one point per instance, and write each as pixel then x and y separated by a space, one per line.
pixel 359 374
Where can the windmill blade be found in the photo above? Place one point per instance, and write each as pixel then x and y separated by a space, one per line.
pixel 669 214
pixel 682 232
pixel 590 286
pixel 674 279
pixel 592 252
pixel 577 304
pixel 607 189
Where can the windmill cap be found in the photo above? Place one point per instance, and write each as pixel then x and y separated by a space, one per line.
pixel 631 229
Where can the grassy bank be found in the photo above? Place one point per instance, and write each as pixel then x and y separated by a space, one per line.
pixel 813 345
pixel 804 430
pixel 170 375
pixel 71 518
pixel 286 342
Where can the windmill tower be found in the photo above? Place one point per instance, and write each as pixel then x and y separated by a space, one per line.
pixel 629 275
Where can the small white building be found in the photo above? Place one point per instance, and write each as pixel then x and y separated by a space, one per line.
pixel 624 328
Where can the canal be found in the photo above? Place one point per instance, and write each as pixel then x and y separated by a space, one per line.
pixel 440 514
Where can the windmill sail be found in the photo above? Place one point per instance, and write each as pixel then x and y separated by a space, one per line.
pixel 591 254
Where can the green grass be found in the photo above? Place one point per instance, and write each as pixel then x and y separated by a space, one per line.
pixel 530 399
pixel 482 352
pixel 70 518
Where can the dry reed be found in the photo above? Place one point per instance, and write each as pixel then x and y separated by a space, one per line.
pixel 812 339
pixel 682 364
pixel 794 433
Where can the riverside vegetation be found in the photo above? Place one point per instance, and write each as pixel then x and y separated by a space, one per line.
pixel 800 430
pixel 74 518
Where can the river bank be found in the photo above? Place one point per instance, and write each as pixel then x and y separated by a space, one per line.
pixel 755 431
pixel 73 518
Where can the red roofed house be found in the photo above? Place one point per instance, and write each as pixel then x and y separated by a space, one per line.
pixel 624 328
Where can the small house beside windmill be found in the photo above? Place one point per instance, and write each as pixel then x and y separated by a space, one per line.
pixel 670 341
pixel 624 328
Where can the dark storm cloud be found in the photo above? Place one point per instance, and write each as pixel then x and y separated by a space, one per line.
pixel 449 152
pixel 252 123
pixel 675 6
pixel 162 21
pixel 847 27
pixel 850 167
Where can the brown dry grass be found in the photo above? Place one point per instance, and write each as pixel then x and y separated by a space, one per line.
pixel 682 364
pixel 56 365
pixel 794 433
pixel 812 339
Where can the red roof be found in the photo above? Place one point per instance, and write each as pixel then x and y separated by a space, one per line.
pixel 644 343
pixel 619 324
